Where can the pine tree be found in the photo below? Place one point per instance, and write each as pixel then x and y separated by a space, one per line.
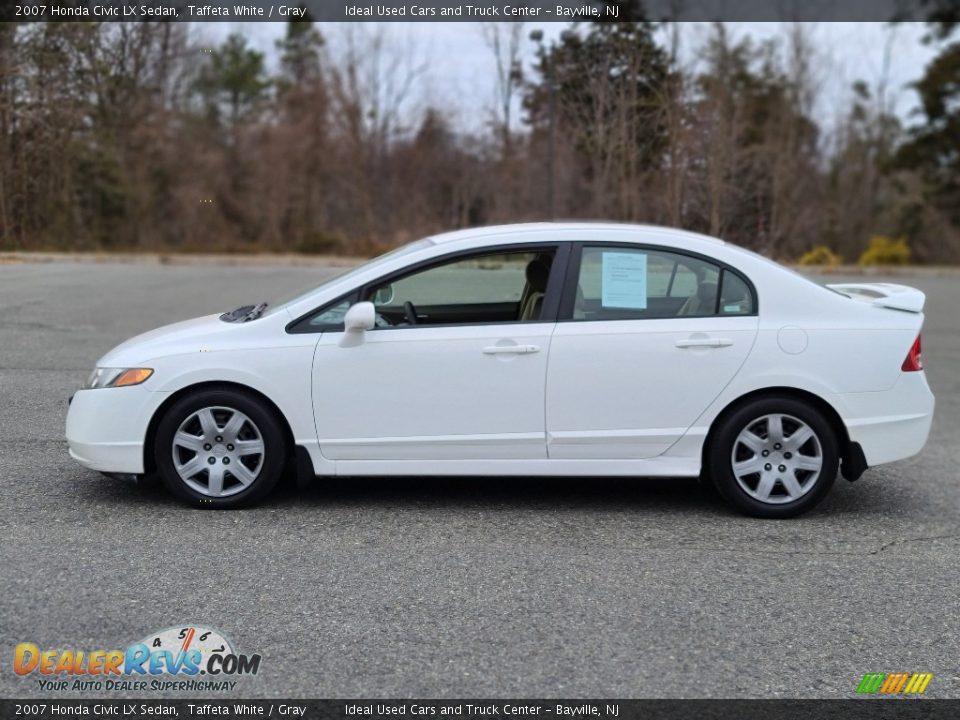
pixel 934 147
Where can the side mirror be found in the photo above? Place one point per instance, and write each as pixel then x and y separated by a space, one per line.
pixel 359 318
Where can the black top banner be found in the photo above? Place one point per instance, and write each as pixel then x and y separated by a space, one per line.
pixel 478 10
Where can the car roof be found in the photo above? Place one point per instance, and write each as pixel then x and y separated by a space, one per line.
pixel 520 230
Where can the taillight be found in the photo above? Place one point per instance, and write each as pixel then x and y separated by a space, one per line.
pixel 913 361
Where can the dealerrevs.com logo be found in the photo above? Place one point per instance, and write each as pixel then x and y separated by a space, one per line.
pixel 190 658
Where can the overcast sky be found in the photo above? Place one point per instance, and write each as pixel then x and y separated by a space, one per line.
pixel 459 67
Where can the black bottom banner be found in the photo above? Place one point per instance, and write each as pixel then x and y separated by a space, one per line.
pixel 865 709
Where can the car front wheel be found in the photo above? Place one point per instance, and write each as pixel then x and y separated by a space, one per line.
pixel 220 449
pixel 774 458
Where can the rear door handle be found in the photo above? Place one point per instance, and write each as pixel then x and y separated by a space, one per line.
pixel 511 349
pixel 704 342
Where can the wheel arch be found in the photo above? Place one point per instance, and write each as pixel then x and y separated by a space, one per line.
pixel 149 463
pixel 828 411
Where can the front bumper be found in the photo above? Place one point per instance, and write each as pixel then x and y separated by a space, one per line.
pixel 106 427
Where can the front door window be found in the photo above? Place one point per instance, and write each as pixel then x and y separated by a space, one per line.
pixel 494 287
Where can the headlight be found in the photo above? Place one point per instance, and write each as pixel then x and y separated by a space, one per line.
pixel 117 377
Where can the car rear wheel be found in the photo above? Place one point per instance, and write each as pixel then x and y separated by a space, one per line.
pixel 773 458
pixel 220 449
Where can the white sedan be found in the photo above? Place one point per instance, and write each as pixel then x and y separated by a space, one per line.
pixel 546 349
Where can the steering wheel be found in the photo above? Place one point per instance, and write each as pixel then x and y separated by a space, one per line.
pixel 410 312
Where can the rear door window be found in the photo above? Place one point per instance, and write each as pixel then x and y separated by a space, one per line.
pixel 623 283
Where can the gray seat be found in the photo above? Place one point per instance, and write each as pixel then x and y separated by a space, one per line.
pixel 538 272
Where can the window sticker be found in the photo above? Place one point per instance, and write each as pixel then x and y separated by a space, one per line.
pixel 624 280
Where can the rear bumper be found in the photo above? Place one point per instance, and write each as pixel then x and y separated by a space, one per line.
pixel 893 424
pixel 106 427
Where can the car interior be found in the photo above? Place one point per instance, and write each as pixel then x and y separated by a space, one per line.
pixel 678 286
pixel 492 291
pixel 511 287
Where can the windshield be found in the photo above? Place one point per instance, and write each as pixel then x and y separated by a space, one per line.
pixel 276 304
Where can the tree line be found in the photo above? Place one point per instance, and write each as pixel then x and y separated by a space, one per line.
pixel 120 136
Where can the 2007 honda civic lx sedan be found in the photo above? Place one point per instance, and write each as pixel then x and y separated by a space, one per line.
pixel 573 349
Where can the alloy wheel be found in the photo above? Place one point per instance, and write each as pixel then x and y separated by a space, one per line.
pixel 218 451
pixel 777 459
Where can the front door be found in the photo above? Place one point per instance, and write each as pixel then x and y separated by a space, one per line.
pixel 455 368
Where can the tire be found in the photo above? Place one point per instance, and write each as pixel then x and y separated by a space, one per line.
pixel 796 473
pixel 220 449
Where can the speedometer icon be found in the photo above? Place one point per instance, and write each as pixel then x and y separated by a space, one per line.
pixel 180 640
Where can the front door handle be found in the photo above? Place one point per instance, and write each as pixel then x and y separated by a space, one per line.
pixel 511 349
pixel 704 342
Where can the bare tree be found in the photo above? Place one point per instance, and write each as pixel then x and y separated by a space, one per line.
pixel 791 140
pixel 505 43
pixel 674 106
pixel 372 83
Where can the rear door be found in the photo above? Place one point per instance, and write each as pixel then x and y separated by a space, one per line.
pixel 647 339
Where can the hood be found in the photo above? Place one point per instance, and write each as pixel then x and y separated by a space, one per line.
pixel 188 336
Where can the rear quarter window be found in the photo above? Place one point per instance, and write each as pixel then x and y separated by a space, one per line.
pixel 736 297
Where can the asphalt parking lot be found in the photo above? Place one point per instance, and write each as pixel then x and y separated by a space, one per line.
pixel 459 587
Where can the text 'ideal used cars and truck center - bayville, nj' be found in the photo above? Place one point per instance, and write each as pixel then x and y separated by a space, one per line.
pixel 479 710
pixel 484 12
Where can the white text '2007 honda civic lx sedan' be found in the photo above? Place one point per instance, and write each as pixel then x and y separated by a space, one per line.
pixel 553 349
